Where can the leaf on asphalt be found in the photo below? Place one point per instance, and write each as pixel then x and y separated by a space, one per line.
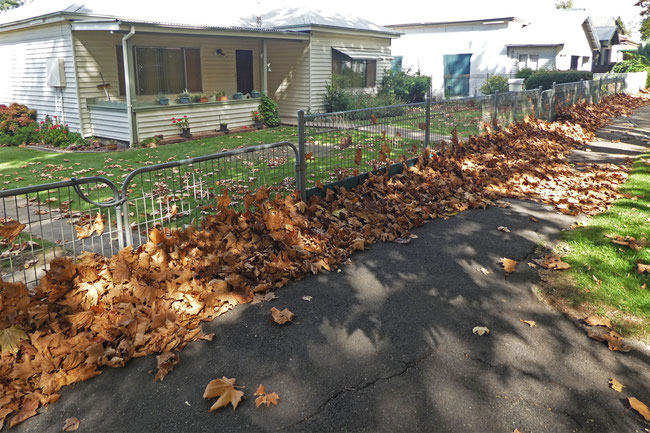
pixel 264 398
pixel 480 330
pixel 166 363
pixel 306 298
pixel 642 268
pixel 614 341
pixel 533 219
pixel 281 317
pixel 508 265
pixel 10 339
pixel 640 407
pixel 71 424
pixel 11 229
pixel 530 323
pixel 266 297
pixel 223 388
pixel 555 263
pixel 503 229
pixel 595 320
pixel 615 385
pixel 402 240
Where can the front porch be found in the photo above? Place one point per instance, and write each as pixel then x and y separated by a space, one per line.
pixel 123 72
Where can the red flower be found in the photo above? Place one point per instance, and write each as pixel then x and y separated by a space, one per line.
pixel 55 117
pixel 42 122
pixel 37 128
pixel 65 132
pixel 173 118
pixel 174 121
pixel 185 116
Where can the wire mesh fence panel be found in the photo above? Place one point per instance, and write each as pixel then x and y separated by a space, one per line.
pixel 180 193
pixel 338 145
pixel 467 115
pixel 43 222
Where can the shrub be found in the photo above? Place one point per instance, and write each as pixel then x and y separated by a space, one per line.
pixel 24 135
pixel 404 87
pixel 268 109
pixel 495 83
pixel 337 97
pixel 15 116
pixel 638 63
pixel 524 73
pixel 57 134
pixel 545 79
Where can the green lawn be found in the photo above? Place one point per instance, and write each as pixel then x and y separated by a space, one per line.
pixel 606 273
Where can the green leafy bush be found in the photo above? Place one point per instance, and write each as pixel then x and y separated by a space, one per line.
pixel 638 63
pixel 524 73
pixel 52 131
pixel 404 87
pixel 268 109
pixel 495 83
pixel 545 79
pixel 339 98
pixel 24 135
pixel 15 116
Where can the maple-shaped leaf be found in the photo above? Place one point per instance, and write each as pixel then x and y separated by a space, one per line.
pixel 508 265
pixel 223 388
pixel 156 236
pixel 281 317
pixel 27 410
pixel 530 323
pixel 309 156
pixel 595 320
pixel 264 398
pixel 640 407
pixel 554 263
pixel 84 231
pixel 166 363
pixel 98 224
pixel 480 330
pixel 11 229
pixel 224 199
pixel 614 341
pixel 615 385
pixel 10 339
pixel 71 424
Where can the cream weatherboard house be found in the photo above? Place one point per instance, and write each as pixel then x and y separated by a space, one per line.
pixel 103 73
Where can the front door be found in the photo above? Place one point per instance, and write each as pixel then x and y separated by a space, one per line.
pixel 457 67
pixel 244 71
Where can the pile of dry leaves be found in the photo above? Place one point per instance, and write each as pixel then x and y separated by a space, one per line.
pixel 151 300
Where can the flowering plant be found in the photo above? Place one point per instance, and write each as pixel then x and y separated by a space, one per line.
pixel 256 116
pixel 52 131
pixel 181 122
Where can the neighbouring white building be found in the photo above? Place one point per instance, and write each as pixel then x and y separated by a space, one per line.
pixel 460 55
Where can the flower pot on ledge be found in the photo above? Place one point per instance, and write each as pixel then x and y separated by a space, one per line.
pixel 259 124
pixel 185 133
pixel 222 98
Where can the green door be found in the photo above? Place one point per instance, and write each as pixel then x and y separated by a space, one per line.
pixel 457 68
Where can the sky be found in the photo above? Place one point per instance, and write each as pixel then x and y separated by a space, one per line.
pixel 378 11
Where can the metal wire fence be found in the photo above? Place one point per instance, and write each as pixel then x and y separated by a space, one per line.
pixel 96 216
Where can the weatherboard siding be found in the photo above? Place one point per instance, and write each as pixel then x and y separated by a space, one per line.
pixel 321 44
pixel 23 72
pixel 288 81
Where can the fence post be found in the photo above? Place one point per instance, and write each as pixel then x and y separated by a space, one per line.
pixel 600 89
pixel 538 114
pixel 301 164
pixel 427 129
pixel 551 111
pixel 495 110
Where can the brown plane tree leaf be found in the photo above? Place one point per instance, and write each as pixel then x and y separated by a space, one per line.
pixel 530 323
pixel 281 317
pixel 264 398
pixel 642 268
pixel 98 224
pixel 358 156
pixel 10 339
pixel 71 424
pixel 640 407
pixel 553 262
pixel 614 341
pixel 223 388
pixel 11 229
pixel 27 410
pixel 615 385
pixel 166 363
pixel 595 320
pixel 508 265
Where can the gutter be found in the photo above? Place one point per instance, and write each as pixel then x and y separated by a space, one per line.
pixel 127 84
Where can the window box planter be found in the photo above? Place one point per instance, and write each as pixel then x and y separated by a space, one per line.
pixel 205 99
pixel 183 99
pixel 255 94
pixel 163 101
pixel 238 95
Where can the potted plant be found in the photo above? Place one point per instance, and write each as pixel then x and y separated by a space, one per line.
pixel 184 97
pixel 183 124
pixel 255 94
pixel 258 119
pixel 162 99
pixel 238 95
pixel 221 96
pixel 204 97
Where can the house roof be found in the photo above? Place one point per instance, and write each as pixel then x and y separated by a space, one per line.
pixel 605 33
pixel 151 12
pixel 454 22
pixel 302 19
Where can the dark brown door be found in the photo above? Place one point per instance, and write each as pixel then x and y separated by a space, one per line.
pixel 244 71
pixel 574 63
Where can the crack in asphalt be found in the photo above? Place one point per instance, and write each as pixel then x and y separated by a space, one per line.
pixel 407 366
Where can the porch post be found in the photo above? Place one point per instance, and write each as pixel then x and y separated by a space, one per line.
pixel 264 62
pixel 129 80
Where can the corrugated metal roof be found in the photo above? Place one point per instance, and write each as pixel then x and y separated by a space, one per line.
pixel 605 33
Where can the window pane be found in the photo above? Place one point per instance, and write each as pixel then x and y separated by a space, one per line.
pixel 193 69
pixel 119 54
pixel 522 60
pixel 533 61
pixel 371 76
pixel 159 70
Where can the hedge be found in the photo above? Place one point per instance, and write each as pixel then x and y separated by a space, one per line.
pixel 546 79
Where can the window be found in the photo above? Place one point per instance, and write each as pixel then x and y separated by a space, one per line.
pixel 164 70
pixel 396 64
pixel 574 63
pixel 356 73
pixel 528 61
